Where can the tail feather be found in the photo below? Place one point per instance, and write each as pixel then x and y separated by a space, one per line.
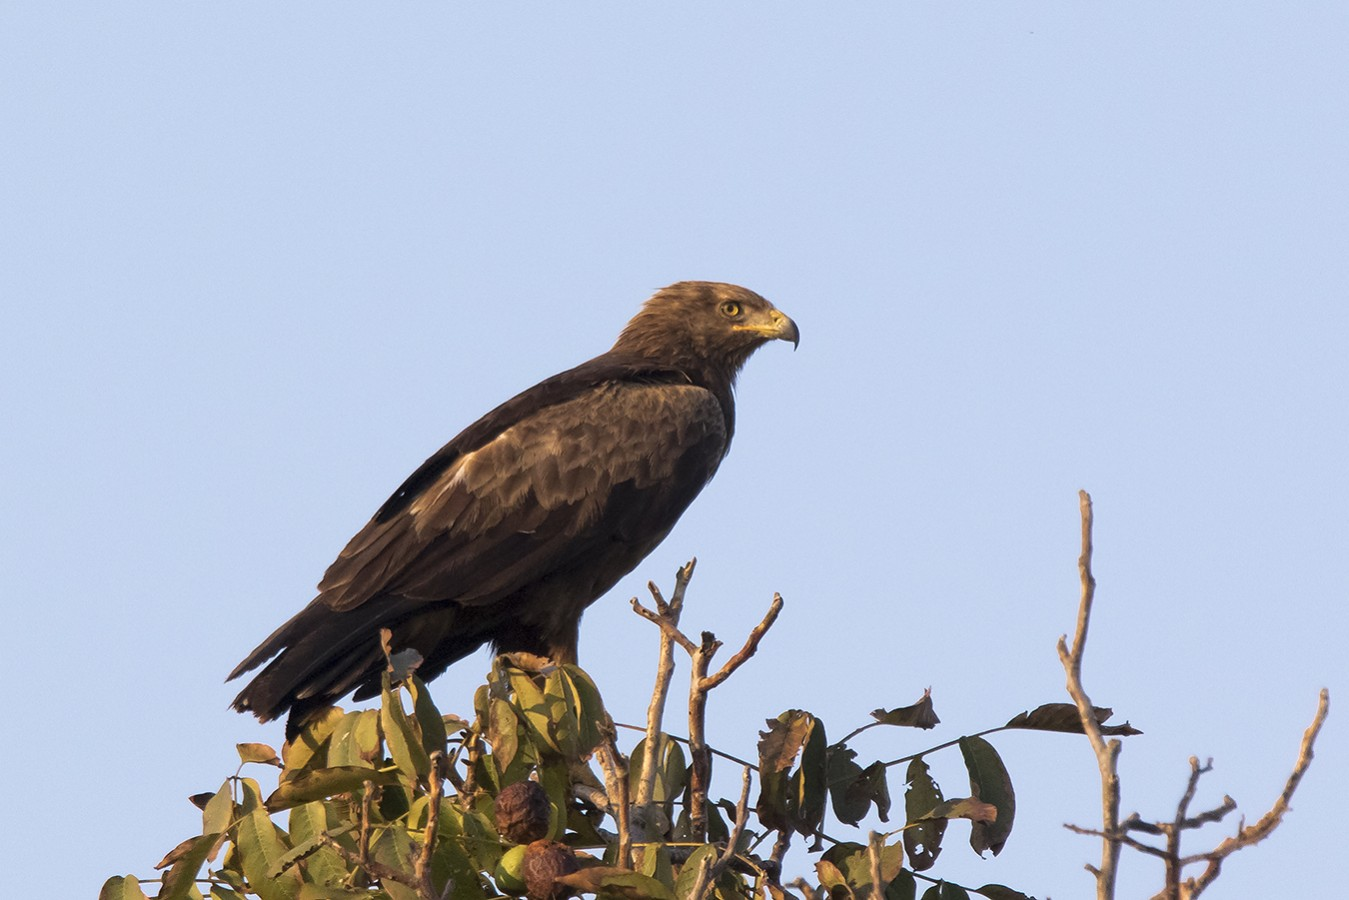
pixel 321 655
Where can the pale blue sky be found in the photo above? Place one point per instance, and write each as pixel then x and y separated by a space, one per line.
pixel 262 259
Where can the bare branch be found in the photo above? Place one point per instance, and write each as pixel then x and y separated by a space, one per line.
pixel 615 768
pixel 422 871
pixel 1107 755
pixel 655 712
pixel 751 645
pixel 700 755
pixel 1217 814
pixel 703 881
pixel 1249 835
pixel 875 842
pixel 1121 838
pixel 733 841
pixel 665 626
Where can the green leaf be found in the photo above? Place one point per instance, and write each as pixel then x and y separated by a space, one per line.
pixel 809 784
pixel 797 800
pixel 831 878
pixel 429 720
pixel 308 822
pixel 671 769
pixel 919 715
pixel 565 727
pixel 503 733
pixel 401 736
pixel 308 848
pixel 653 861
pixel 307 785
pixel 395 849
pixel 688 872
pixel 534 706
pixel 849 808
pixel 587 706
pixel 327 892
pixel 218 815
pixel 922 838
pixel 620 884
pixel 452 859
pixel 555 777
pixel 310 745
pixel 355 740
pixel 121 887
pixel 903 887
pixel 853 789
pixel 1064 717
pixel 1001 892
pixel 852 862
pixel 990 783
pixel 944 891
pixel 187 859
pixel 261 847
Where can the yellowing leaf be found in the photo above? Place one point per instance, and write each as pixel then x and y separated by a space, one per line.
pixel 258 753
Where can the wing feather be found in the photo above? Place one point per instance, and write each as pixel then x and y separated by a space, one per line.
pixel 526 500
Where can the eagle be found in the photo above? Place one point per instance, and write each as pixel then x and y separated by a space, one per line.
pixel 507 533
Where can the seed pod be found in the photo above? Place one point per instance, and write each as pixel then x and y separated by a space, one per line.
pixel 521 812
pixel 545 861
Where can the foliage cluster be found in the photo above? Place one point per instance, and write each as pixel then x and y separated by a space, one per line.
pixel 402 802
pixel 368 814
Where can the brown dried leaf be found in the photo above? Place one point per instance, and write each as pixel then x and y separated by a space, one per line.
pixel 779 745
pixel 963 808
pixel 919 715
pixel 1063 717
pixel 200 800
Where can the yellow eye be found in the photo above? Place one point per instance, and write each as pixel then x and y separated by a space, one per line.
pixel 731 310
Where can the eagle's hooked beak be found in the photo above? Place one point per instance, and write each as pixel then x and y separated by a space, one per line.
pixel 783 328
pixel 779 327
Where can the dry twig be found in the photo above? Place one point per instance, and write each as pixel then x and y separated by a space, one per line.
pixel 615 767
pixel 655 712
pixel 1107 754
pixel 1249 835
pixel 738 829
pixel 1116 835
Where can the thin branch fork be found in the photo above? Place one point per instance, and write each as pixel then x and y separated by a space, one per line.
pixel 700 683
pixel 1249 835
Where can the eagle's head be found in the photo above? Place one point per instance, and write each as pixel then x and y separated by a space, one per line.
pixel 708 326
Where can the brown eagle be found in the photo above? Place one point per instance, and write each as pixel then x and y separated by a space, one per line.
pixel 513 528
